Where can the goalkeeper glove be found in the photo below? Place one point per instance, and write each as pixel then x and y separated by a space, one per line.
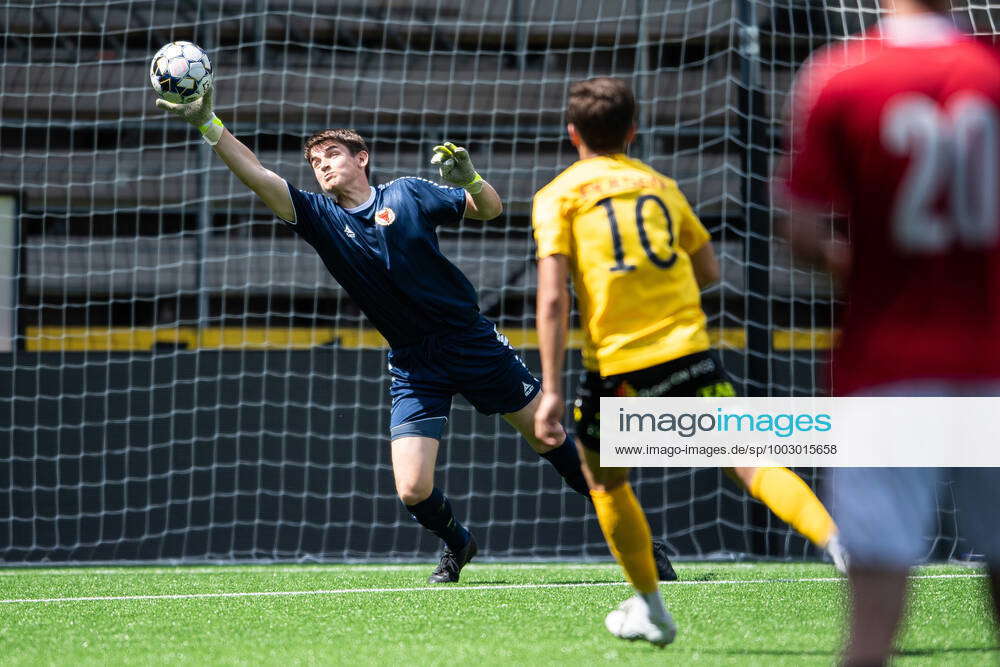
pixel 199 113
pixel 456 168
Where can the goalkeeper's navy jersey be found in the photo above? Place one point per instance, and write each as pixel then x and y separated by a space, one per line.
pixel 385 254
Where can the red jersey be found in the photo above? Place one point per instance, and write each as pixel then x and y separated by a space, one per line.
pixel 900 131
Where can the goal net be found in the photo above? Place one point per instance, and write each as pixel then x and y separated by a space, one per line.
pixel 180 379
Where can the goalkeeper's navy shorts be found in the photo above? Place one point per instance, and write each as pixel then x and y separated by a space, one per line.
pixel 698 374
pixel 476 362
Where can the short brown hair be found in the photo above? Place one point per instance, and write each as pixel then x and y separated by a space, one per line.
pixel 603 112
pixel 348 138
pixel 938 6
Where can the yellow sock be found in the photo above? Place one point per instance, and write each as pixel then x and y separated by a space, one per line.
pixel 793 501
pixel 627 532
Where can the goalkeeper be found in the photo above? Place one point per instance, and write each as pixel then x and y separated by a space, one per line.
pixel 381 246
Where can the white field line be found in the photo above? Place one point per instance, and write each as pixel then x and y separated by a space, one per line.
pixel 452 589
pixel 330 568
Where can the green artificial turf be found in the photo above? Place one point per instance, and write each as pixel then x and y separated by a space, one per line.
pixel 728 614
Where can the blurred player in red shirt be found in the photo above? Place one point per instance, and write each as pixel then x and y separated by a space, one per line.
pixel 899 131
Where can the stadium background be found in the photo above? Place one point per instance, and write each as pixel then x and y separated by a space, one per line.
pixel 181 380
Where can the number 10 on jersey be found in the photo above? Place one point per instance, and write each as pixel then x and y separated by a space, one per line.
pixel 669 254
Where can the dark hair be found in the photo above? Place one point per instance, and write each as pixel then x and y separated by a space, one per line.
pixel 603 111
pixel 938 6
pixel 348 138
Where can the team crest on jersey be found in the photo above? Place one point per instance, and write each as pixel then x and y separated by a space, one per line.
pixel 385 216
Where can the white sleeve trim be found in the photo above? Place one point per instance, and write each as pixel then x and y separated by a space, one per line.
pixel 292 199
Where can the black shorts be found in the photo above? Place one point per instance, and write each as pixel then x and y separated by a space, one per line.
pixel 698 374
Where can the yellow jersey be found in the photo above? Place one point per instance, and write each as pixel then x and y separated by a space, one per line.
pixel 628 232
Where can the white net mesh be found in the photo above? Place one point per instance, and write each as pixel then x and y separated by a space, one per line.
pixel 185 381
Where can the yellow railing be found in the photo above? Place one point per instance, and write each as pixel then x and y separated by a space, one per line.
pixel 80 339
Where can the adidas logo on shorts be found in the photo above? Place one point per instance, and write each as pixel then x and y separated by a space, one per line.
pixel 527 388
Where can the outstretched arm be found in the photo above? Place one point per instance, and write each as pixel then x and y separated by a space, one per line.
pixel 455 165
pixel 270 187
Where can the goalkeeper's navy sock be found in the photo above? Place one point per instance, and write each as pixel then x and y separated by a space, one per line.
pixel 566 460
pixel 434 513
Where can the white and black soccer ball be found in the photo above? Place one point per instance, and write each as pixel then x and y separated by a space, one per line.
pixel 180 72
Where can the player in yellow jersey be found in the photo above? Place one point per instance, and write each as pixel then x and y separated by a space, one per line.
pixel 639 257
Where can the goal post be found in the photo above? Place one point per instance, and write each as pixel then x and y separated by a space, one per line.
pixel 8 270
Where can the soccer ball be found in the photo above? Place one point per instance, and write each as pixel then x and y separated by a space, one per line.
pixel 180 72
